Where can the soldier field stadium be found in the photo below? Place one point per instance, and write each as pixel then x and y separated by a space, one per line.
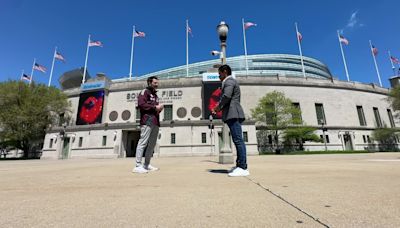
pixel 103 122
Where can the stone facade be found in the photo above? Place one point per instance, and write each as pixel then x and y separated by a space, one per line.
pixel 186 133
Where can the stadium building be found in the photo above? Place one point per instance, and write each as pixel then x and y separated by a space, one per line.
pixel 103 122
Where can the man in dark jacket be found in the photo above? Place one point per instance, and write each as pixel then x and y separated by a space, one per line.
pixel 149 125
pixel 233 116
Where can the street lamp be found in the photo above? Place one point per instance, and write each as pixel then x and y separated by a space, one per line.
pixel 225 154
pixel 222 30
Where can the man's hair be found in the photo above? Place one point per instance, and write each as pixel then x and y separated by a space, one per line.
pixel 150 80
pixel 226 68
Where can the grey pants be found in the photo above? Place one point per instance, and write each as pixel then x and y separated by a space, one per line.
pixel 147 141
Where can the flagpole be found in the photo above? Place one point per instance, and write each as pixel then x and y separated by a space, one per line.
pixel 187 48
pixel 86 59
pixel 301 52
pixel 344 58
pixel 245 47
pixel 52 66
pixel 391 61
pixel 376 65
pixel 33 65
pixel 133 40
pixel 22 74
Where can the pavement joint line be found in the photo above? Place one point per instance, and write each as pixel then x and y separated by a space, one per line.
pixel 287 202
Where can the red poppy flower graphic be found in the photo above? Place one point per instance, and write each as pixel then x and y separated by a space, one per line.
pixel 91 109
pixel 213 101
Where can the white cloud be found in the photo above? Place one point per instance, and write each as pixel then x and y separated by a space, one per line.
pixel 353 22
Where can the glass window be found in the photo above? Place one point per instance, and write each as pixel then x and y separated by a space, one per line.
pixel 137 115
pixel 392 124
pixel 51 143
pixel 167 112
pixel 173 140
pixel 377 117
pixel 319 108
pixel 361 116
pixel 364 139
pixel 297 116
pixel 203 137
pixel 61 120
pixel 80 141
pixel 245 136
pixel 104 140
pixel 269 139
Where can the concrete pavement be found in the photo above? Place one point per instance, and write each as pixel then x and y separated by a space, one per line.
pixel 350 190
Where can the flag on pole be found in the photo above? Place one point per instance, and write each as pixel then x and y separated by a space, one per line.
pixel 94 43
pixel 139 34
pixel 394 59
pixel 374 50
pixel 39 67
pixel 249 24
pixel 58 56
pixel 189 30
pixel 343 40
pixel 26 77
pixel 299 36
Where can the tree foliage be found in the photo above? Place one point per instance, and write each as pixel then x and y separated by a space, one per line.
pixel 27 110
pixel 394 98
pixel 295 137
pixel 387 138
pixel 277 115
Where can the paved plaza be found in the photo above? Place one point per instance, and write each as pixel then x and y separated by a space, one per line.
pixel 349 190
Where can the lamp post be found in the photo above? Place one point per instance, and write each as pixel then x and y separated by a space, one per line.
pixel 323 133
pixel 225 154
pixel 211 127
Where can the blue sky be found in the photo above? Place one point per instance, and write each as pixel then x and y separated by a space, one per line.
pixel 32 29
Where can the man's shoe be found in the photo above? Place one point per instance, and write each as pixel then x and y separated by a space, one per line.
pixel 151 168
pixel 239 172
pixel 231 170
pixel 140 169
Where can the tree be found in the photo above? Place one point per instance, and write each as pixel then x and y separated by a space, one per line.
pixel 275 112
pixel 387 138
pixel 27 110
pixel 394 98
pixel 299 135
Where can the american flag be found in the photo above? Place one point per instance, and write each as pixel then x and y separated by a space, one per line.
pixel 299 36
pixel 343 40
pixel 189 30
pixel 374 50
pixel 139 34
pixel 59 56
pixel 39 67
pixel 249 24
pixel 26 77
pixel 94 43
pixel 394 59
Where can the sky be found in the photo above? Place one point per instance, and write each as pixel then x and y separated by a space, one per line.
pixel 32 29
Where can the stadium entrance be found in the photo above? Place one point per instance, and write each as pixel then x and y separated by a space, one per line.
pixel 130 140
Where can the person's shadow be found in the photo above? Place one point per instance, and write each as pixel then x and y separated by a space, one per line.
pixel 218 171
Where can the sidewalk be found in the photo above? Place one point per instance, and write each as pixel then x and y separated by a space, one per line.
pixel 352 190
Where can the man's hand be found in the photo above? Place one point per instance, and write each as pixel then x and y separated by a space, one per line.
pixel 159 108
pixel 214 110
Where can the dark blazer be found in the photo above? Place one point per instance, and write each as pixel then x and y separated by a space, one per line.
pixel 230 100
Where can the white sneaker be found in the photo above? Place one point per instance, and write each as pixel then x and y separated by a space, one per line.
pixel 139 169
pixel 239 172
pixel 151 168
pixel 233 168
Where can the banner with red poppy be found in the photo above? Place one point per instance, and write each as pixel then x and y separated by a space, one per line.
pixel 90 110
pixel 211 95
